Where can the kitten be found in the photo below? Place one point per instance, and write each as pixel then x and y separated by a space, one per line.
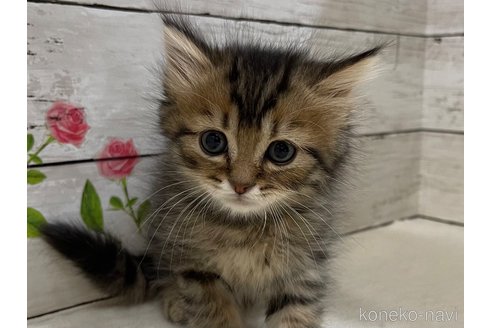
pixel 243 217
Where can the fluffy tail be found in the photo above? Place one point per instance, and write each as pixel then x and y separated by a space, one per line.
pixel 102 258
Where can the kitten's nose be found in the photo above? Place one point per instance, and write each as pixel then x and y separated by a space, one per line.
pixel 241 188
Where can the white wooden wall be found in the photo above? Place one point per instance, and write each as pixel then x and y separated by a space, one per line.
pixel 99 54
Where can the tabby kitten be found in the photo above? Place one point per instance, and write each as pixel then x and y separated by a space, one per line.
pixel 259 138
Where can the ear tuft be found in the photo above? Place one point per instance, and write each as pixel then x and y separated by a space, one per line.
pixel 187 55
pixel 341 76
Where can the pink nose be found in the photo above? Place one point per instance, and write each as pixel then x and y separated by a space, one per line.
pixel 241 188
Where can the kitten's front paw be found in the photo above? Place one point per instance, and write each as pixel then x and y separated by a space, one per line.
pixel 177 310
pixel 200 304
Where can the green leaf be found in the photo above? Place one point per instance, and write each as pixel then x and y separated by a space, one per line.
pixel 35 177
pixel 90 208
pixel 132 201
pixel 34 220
pixel 143 211
pixel 30 141
pixel 116 203
pixel 35 159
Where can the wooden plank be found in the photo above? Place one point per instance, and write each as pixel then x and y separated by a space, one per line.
pixel 91 63
pixel 386 189
pixel 99 62
pixel 445 17
pixel 104 124
pixel 396 267
pixel 397 16
pixel 443 106
pixel 397 94
pixel 442 175
pixel 108 314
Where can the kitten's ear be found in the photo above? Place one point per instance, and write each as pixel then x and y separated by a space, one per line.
pixel 340 77
pixel 187 55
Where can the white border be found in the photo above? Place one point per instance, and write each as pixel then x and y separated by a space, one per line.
pixel 478 163
pixel 13 171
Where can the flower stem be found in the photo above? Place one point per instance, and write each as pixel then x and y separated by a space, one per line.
pixel 49 140
pixel 131 212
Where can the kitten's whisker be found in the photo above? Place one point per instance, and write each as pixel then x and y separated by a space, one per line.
pixel 274 213
pixel 304 235
pixel 153 214
pixel 262 230
pixel 187 217
pixel 320 217
pixel 286 234
pixel 163 219
pixel 199 214
pixel 176 234
pixel 163 188
pixel 323 207
pixel 316 201
pixel 308 226
pixel 274 235
pixel 164 204
pixel 305 195
pixel 139 228
pixel 202 212
pixel 157 212
pixel 172 229
pixel 349 236
pixel 340 181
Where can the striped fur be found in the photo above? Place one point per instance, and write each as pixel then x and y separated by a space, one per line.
pixel 216 254
pixel 276 253
pixel 101 257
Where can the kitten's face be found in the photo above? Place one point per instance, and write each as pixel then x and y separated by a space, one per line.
pixel 254 128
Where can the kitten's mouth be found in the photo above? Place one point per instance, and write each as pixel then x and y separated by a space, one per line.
pixel 241 200
pixel 245 203
pixel 241 203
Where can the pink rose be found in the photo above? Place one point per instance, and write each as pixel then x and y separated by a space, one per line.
pixel 67 123
pixel 118 168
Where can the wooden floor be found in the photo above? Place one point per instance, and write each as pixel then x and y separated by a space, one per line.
pixel 413 265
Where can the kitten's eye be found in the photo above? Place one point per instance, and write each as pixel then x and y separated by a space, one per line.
pixel 213 142
pixel 281 152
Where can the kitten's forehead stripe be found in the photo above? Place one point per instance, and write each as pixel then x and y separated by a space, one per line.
pixel 234 71
pixel 225 121
pixel 257 79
